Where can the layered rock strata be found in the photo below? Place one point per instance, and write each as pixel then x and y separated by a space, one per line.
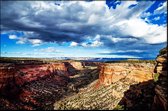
pixel 28 73
pixel 114 80
pixel 77 65
pixel 37 86
pixel 7 74
pixel 160 99
pixel 110 73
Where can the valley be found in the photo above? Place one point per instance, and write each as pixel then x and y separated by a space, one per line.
pixel 76 85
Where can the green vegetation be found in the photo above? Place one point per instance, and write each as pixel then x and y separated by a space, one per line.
pixel 119 107
pixel 156 76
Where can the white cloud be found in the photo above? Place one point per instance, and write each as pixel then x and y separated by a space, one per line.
pixel 48 50
pixel 151 33
pixel 96 43
pixel 74 20
pixel 161 9
pixel 156 18
pixel 35 42
pixel 84 44
pixel 73 44
pixel 12 37
pixel 21 40
pixel 120 51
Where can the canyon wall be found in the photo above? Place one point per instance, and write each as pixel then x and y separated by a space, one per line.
pixel 37 86
pixel 110 73
pixel 160 99
pixel 117 82
pixel 23 72
pixel 88 63
pixel 28 73
pixel 7 74
pixel 77 65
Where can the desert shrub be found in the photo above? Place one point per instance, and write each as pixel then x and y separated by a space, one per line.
pixel 156 76
pixel 119 107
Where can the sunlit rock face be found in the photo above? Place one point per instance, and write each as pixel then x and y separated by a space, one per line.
pixel 117 82
pixel 77 65
pixel 7 74
pixel 110 73
pixel 160 99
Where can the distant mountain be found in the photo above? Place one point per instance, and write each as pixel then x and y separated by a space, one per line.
pixel 100 59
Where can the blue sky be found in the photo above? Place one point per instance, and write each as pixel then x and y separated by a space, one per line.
pixel 116 29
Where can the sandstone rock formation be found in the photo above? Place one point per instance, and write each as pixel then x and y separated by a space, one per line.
pixel 28 73
pixel 91 63
pixel 7 74
pixel 114 80
pixel 160 99
pixel 104 97
pixel 38 86
pixel 110 73
pixel 77 65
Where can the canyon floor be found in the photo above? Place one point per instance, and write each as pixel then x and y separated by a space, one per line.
pixel 76 85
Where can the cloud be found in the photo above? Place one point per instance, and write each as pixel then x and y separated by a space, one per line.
pixel 161 9
pixel 48 50
pixel 73 44
pixel 96 43
pixel 12 37
pixel 93 44
pixel 73 21
pixel 35 42
pixel 21 40
pixel 156 18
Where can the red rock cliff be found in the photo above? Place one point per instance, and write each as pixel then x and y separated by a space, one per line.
pixel 7 74
pixel 28 73
pixel 110 73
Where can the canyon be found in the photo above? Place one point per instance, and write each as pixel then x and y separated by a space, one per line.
pixel 108 90
pixel 76 85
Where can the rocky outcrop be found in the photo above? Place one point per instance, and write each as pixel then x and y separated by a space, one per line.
pixel 28 73
pixel 77 65
pixel 42 84
pixel 110 73
pixel 87 63
pixel 103 97
pixel 108 91
pixel 7 74
pixel 24 73
pixel 160 99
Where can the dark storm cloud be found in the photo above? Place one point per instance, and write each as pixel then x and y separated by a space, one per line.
pixel 119 29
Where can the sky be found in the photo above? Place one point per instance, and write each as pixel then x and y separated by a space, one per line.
pixel 109 29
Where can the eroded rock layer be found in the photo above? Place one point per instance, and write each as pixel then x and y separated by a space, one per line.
pixel 28 73
pixel 7 74
pixel 160 99
pixel 38 85
pixel 77 65
pixel 113 87
pixel 110 73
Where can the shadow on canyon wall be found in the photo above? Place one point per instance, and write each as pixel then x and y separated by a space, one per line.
pixel 44 91
pixel 138 97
